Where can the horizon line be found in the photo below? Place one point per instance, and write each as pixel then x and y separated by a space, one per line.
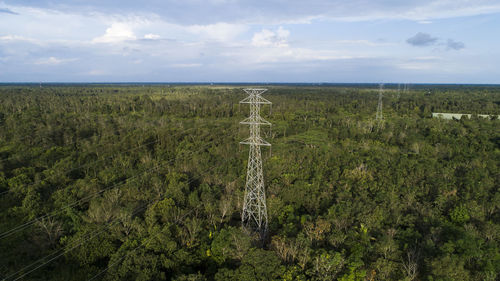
pixel 242 83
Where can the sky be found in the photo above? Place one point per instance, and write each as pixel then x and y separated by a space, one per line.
pixel 313 41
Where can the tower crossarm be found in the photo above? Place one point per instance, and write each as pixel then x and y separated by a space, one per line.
pixel 255 141
pixel 254 120
pixel 252 91
pixel 255 99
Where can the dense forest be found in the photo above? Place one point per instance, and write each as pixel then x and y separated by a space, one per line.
pixel 111 182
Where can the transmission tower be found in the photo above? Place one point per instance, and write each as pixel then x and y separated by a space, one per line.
pixel 406 88
pixel 379 115
pixel 254 217
pixel 399 90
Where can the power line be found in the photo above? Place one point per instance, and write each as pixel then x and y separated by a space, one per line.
pixel 119 260
pixel 145 242
pixel 66 250
pixel 45 138
pixel 156 167
pixel 91 163
pixel 48 215
pixel 94 162
pixel 16 155
pixel 62 250
pixel 110 156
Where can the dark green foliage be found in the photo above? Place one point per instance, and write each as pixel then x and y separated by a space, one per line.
pixel 146 183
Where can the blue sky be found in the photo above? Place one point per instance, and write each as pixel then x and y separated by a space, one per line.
pixel 421 41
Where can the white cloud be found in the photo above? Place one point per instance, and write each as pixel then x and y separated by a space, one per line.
pixel 117 32
pixel 428 58
pixel 53 61
pixel 274 47
pixel 97 72
pixel 220 31
pixel 450 9
pixel 13 38
pixel 223 44
pixel 266 56
pixel 269 12
pixel 268 38
pixel 421 63
pixel 361 42
pixel 186 65
pixel 151 36
pixel 422 11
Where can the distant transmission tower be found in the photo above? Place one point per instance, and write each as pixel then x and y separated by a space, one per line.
pixel 406 88
pixel 379 115
pixel 399 90
pixel 254 216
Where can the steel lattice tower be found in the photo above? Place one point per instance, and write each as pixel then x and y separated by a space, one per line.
pixel 254 217
pixel 379 115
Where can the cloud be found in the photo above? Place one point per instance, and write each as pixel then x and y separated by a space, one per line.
pixel 219 31
pixel 140 43
pixel 117 32
pixel 186 65
pixel 421 39
pixel 13 38
pixel 454 45
pixel 256 57
pixel 97 72
pixel 7 11
pixel 420 63
pixel 361 42
pixel 151 36
pixel 268 38
pixel 205 12
pixel 52 61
